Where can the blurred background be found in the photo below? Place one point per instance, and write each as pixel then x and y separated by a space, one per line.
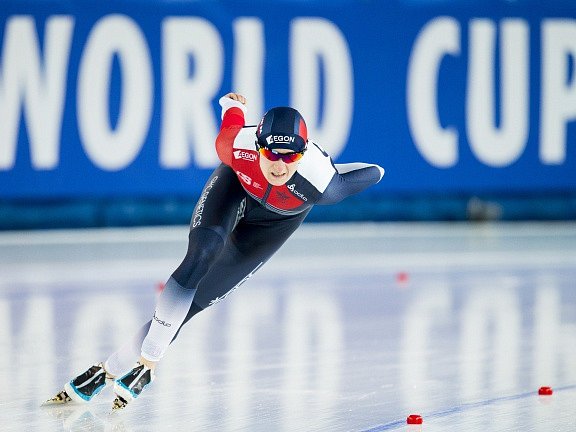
pixel 108 110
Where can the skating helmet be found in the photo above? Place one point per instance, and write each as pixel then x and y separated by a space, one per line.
pixel 282 128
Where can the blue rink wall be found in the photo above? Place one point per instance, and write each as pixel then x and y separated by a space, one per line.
pixel 108 110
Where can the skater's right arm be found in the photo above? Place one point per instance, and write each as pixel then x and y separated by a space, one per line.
pixel 233 112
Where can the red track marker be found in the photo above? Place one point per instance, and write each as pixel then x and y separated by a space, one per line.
pixel 159 287
pixel 414 419
pixel 402 278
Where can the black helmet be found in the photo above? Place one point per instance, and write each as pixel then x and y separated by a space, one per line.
pixel 282 128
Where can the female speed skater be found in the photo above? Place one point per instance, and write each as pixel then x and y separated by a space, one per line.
pixel 270 177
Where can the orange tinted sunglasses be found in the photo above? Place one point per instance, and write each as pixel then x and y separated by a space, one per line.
pixel 271 155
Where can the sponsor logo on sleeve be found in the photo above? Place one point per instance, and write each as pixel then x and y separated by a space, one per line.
pixel 246 179
pixel 244 155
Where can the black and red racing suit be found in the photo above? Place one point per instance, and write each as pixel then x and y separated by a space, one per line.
pixel 241 220
pixel 317 180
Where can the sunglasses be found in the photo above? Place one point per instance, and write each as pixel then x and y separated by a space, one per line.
pixel 271 155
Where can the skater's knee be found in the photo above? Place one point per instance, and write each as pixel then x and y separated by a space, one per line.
pixel 204 243
pixel 204 246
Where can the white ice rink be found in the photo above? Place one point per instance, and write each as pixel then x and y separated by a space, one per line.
pixel 348 328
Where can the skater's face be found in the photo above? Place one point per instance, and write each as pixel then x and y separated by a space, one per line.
pixel 278 172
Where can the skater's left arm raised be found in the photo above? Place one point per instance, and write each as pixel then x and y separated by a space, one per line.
pixel 233 114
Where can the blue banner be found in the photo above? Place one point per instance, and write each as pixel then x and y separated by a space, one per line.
pixel 119 98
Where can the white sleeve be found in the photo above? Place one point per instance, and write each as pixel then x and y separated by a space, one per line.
pixel 226 103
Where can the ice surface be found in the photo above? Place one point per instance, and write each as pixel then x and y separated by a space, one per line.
pixel 326 337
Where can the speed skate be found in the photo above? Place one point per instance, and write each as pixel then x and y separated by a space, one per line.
pixel 82 388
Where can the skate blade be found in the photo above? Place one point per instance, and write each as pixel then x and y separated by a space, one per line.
pixel 119 404
pixel 59 399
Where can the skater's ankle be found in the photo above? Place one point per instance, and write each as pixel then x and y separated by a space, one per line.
pixel 109 376
pixel 148 363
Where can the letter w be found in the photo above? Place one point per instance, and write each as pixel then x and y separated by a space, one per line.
pixel 34 88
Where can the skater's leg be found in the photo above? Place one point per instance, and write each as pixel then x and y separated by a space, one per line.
pixel 253 242
pixel 172 306
pixel 214 218
pixel 203 248
pixel 217 212
pixel 123 359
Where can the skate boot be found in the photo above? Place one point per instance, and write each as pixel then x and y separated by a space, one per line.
pixel 131 385
pixel 84 387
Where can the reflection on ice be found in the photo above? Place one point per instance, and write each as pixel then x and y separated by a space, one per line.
pixel 332 351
